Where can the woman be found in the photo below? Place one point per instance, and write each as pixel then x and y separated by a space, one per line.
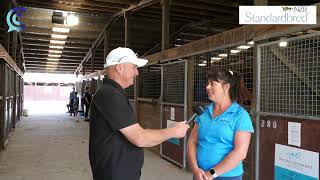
pixel 221 136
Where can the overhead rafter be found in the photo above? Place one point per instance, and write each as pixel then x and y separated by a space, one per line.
pixel 141 4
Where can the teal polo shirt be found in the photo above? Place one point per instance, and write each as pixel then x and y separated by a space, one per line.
pixel 216 136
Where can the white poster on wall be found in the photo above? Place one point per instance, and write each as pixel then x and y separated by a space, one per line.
pixel 294 133
pixel 171 123
pixel 172 113
pixel 296 164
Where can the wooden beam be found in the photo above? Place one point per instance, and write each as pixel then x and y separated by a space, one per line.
pixel 45 46
pixel 165 4
pixel 93 56
pixel 14 45
pixel 202 7
pixel 181 29
pixel 46 43
pixel 221 3
pixel 44 58
pixel 260 2
pixel 46 54
pixel 84 69
pixel 65 49
pixel 231 12
pixel 48 31
pixel 142 3
pixel 126 30
pixel 48 38
pixel 46 14
pixel 6 57
pixel 44 64
pixel 118 1
pixel 27 34
pixel 45 51
pixel 85 26
pixel 295 69
pixel 52 62
pixel 96 3
pixel 67 6
pixel 106 43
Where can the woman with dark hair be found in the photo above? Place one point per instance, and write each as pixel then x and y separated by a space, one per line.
pixel 221 136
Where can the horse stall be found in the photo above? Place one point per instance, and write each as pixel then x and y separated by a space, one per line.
pixel 149 87
pixel 288 108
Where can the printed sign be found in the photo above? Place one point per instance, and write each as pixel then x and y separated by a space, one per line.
pixel 176 141
pixel 295 164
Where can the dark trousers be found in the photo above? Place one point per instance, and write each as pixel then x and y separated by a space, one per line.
pixel 87 110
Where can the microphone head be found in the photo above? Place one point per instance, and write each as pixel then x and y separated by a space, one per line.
pixel 198 109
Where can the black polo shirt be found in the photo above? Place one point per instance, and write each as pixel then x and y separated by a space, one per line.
pixel 112 156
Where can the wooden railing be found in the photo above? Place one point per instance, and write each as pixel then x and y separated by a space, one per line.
pixel 7 58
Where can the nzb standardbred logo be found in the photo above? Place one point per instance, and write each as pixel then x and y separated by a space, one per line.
pixel 13 23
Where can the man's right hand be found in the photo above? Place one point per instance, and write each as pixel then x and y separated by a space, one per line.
pixel 180 129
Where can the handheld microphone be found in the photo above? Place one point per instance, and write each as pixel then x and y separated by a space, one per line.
pixel 198 110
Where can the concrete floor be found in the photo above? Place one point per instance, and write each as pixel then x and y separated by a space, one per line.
pixel 55 147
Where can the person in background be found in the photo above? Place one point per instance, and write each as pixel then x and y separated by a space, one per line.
pixel 221 136
pixel 75 104
pixel 71 100
pixel 116 139
pixel 87 102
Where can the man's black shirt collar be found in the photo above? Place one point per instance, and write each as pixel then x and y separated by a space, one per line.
pixel 113 83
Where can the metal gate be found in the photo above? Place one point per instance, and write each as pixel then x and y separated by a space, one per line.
pixel 288 107
pixel 173 109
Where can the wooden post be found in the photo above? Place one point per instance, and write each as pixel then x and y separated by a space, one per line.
pixel 260 2
pixel 84 69
pixel 136 94
pixel 106 44
pixel 92 60
pixel 165 24
pixel 126 30
pixel 14 46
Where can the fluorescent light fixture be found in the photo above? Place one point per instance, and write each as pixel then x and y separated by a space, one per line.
pixel 52 66
pixel 52 62
pixel 283 43
pixel 177 45
pixel 251 43
pixel 54 55
pixel 202 64
pixel 216 58
pixel 54 51
pixel 57 42
pixel 56 47
pixel 72 20
pixel 62 30
pixel 204 61
pixel 244 47
pixel 52 59
pixel 235 51
pixel 223 55
pixel 59 36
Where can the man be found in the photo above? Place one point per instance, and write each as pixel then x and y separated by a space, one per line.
pixel 116 139
pixel 71 100
pixel 87 102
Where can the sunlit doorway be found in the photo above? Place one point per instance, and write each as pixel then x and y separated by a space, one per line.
pixel 47 93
